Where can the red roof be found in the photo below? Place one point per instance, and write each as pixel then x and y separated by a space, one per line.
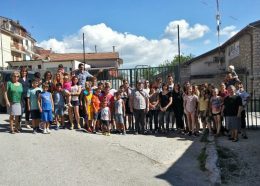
pixel 79 56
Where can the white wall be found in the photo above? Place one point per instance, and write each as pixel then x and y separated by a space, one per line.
pixel 5 50
pixel 205 66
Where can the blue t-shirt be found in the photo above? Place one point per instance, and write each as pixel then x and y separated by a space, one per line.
pixel 58 99
pixel 46 101
pixel 33 94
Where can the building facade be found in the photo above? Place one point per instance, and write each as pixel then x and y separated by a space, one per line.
pixel 242 51
pixel 48 60
pixel 16 43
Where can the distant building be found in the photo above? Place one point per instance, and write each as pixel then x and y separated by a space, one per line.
pixel 48 60
pixel 16 43
pixel 242 50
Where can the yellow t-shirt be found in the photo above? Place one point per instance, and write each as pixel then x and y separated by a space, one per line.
pixel 203 103
pixel 88 99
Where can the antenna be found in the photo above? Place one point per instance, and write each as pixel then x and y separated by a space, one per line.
pixel 218 30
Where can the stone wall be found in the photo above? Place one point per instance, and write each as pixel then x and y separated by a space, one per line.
pixel 256 61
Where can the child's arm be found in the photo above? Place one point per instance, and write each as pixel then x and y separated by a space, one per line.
pixel 52 104
pixel 40 102
pixel 28 100
pixel 123 105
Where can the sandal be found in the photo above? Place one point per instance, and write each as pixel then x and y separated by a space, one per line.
pixel 16 130
pixel 235 140
pixel 11 132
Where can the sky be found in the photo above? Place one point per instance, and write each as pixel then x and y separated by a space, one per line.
pixel 142 31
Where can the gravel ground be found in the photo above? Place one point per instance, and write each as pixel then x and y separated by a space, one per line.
pixel 245 155
pixel 77 158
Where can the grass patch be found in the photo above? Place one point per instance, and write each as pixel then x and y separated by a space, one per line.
pixel 229 164
pixel 202 159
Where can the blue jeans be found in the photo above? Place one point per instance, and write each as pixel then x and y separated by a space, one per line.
pixel 162 117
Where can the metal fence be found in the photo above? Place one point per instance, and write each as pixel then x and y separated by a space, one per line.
pixel 253 113
pixel 115 76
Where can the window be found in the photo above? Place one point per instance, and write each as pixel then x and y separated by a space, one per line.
pixel 39 67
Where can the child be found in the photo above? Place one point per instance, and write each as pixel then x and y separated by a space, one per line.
pixel 215 107
pixel 32 102
pixel 203 109
pixel 119 112
pixel 190 108
pixel 96 107
pixel 88 108
pixel 59 102
pixel 67 88
pixel 46 107
pixel 105 117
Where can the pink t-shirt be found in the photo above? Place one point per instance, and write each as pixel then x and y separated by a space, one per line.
pixel 191 102
pixel 67 86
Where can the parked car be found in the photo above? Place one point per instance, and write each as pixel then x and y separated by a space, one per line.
pixel 5 76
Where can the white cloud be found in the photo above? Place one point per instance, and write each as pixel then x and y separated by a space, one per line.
pixel 133 49
pixel 186 31
pixel 228 31
pixel 206 42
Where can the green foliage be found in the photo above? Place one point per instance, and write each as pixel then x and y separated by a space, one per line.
pixel 175 61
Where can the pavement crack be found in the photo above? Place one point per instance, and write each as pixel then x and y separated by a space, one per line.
pixel 139 153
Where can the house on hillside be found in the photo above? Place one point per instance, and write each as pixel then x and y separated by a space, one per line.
pixel 17 44
pixel 242 50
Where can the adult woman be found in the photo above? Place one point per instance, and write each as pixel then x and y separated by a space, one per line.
pixel 13 97
pixel 232 111
pixel 153 108
pixel 58 78
pixel 26 83
pixel 177 96
pixel 47 78
pixel 75 92
pixel 165 101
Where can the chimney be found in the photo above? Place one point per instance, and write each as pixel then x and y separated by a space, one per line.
pixel 95 48
pixel 114 48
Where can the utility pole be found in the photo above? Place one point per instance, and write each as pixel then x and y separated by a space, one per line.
pixel 179 55
pixel 84 57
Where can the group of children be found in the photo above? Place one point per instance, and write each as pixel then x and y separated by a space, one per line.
pixel 94 104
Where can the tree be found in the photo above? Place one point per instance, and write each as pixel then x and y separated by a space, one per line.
pixel 175 60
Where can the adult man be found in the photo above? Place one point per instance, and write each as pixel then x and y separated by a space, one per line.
pixel 245 98
pixel 82 75
pixel 139 105
pixel 170 82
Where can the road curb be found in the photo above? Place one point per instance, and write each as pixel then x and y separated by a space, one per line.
pixel 211 162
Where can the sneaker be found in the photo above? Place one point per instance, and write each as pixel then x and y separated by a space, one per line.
pixel 108 134
pixel 245 137
pixel 57 127
pixel 44 131
pixel 27 124
pixel 79 127
pixel 48 131
pixel 71 127
pixel 34 131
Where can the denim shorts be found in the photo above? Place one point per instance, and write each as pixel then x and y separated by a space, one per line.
pixel 46 115
pixel 59 110
pixel 75 103
pixel 119 118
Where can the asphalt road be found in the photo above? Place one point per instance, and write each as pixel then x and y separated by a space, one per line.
pixel 67 157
